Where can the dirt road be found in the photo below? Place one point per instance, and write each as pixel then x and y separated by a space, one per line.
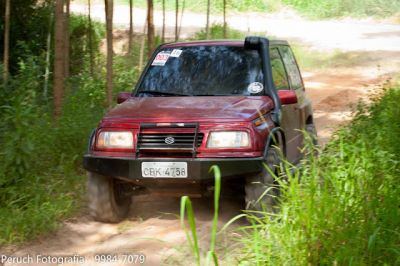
pixel 372 51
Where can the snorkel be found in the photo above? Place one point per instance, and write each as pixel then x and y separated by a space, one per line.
pixel 262 46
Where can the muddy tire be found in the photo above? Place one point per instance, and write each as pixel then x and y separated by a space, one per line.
pixel 261 189
pixel 107 202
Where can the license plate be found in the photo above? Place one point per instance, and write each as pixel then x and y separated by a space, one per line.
pixel 164 169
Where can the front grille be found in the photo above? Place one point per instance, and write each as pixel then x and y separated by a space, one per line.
pixel 168 141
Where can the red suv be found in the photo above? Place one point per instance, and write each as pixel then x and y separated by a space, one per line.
pixel 198 104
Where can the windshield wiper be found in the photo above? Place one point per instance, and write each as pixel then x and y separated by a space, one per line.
pixel 162 93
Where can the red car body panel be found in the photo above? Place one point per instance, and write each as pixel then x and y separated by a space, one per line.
pixel 221 113
pixel 187 109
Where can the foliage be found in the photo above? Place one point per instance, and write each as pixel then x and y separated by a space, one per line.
pixel 186 206
pixel 217 32
pixel 80 47
pixel 41 177
pixel 311 8
pixel 28 29
pixel 201 5
pixel 343 8
pixel 341 208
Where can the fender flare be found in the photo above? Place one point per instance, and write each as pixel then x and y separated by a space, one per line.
pixel 270 140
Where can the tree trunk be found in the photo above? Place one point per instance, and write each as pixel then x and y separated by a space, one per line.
pixel 130 27
pixel 6 42
pixel 163 22
pixel 66 36
pixel 90 40
pixel 150 28
pixel 208 20
pixel 181 19
pixel 225 24
pixel 48 53
pixel 142 43
pixel 176 19
pixel 109 29
pixel 58 85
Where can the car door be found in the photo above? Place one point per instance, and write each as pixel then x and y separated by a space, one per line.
pixel 290 112
pixel 296 84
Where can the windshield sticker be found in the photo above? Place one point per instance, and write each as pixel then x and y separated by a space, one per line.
pixel 176 53
pixel 161 59
pixel 255 87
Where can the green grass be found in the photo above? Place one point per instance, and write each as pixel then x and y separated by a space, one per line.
pixel 42 181
pixel 39 207
pixel 341 208
pixel 217 33
pixel 191 234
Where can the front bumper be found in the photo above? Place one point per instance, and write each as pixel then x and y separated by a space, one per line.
pixel 198 168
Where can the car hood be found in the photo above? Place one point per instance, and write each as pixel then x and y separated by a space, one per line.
pixel 187 109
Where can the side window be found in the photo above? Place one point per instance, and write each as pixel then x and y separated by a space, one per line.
pixel 278 70
pixel 291 67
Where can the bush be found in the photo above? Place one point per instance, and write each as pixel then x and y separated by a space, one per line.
pixel 217 32
pixel 342 8
pixel 342 208
pixel 80 46
pixel 41 177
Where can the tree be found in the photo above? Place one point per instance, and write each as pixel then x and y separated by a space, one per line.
pixel 181 19
pixel 109 28
pixel 6 42
pixel 176 19
pixel 59 49
pixel 48 52
pixel 66 42
pixel 208 20
pixel 225 24
pixel 150 28
pixel 142 44
pixel 163 22
pixel 130 26
pixel 90 39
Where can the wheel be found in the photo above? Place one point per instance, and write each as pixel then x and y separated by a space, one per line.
pixel 107 200
pixel 261 189
pixel 312 132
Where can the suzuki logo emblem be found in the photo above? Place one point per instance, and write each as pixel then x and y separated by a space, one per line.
pixel 169 140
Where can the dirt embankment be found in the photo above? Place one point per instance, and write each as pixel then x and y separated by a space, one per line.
pixel 153 227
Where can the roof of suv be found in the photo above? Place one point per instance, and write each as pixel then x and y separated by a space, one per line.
pixel 239 43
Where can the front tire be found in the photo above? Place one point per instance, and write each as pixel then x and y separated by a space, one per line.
pixel 312 132
pixel 261 189
pixel 107 200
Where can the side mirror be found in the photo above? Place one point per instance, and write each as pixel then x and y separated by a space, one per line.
pixel 287 97
pixel 123 96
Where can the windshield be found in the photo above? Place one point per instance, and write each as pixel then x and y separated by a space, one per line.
pixel 203 71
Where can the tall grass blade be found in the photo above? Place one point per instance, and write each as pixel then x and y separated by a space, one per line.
pixel 212 257
pixel 186 204
pixel 217 192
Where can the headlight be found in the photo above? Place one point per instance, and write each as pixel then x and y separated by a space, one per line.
pixel 115 139
pixel 228 139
